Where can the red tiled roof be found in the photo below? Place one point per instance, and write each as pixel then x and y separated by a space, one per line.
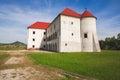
pixel 87 14
pixel 70 12
pixel 39 25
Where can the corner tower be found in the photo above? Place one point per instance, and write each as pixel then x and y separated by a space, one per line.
pixel 88 31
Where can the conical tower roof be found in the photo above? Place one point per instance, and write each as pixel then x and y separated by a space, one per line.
pixel 86 13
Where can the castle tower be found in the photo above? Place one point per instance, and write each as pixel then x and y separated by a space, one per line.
pixel 88 33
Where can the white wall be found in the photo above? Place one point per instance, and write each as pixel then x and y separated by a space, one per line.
pixel 69 42
pixel 38 36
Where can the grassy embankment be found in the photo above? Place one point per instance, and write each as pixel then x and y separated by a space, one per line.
pixel 103 66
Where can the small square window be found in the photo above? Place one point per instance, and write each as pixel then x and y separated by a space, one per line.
pixel 44 39
pixel 85 35
pixel 71 22
pixel 44 33
pixel 33 32
pixel 33 46
pixel 33 39
pixel 72 34
pixel 65 44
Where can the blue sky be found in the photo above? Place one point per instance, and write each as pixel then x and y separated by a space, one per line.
pixel 16 15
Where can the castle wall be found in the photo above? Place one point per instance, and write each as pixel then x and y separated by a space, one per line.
pixel 53 35
pixel 70 39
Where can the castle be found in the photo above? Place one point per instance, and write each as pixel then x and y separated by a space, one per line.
pixel 68 32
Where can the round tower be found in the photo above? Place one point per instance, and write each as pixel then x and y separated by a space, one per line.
pixel 88 32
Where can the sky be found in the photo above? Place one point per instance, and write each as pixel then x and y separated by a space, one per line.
pixel 17 15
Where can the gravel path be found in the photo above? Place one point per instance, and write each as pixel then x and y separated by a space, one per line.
pixel 25 72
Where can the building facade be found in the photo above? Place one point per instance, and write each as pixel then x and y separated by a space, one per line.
pixel 68 32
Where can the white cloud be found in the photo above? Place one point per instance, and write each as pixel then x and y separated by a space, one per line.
pixel 107 26
pixel 15 20
pixel 24 16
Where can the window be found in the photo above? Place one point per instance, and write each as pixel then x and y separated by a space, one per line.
pixel 65 44
pixel 44 33
pixel 33 39
pixel 72 34
pixel 33 32
pixel 85 35
pixel 54 26
pixel 55 34
pixel 71 22
pixel 44 46
pixel 33 46
pixel 44 39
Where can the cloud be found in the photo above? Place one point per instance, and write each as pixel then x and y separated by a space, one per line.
pixel 107 26
pixel 14 20
pixel 23 16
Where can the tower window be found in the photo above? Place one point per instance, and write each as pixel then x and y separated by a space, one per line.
pixel 85 35
pixel 33 39
pixel 33 32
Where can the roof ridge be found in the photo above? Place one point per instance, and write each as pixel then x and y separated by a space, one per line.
pixel 70 12
pixel 39 25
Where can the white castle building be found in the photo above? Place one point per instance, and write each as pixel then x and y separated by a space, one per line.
pixel 68 32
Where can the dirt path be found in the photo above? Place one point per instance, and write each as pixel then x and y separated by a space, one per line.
pixel 19 67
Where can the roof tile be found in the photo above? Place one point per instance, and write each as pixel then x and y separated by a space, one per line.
pixel 39 25
pixel 70 12
pixel 86 13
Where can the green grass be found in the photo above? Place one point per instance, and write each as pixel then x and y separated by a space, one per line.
pixel 12 47
pixel 103 66
pixel 3 56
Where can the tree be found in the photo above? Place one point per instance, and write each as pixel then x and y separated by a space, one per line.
pixel 118 36
pixel 110 43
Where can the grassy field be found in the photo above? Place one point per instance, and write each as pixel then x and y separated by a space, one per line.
pixel 3 56
pixel 12 47
pixel 102 66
